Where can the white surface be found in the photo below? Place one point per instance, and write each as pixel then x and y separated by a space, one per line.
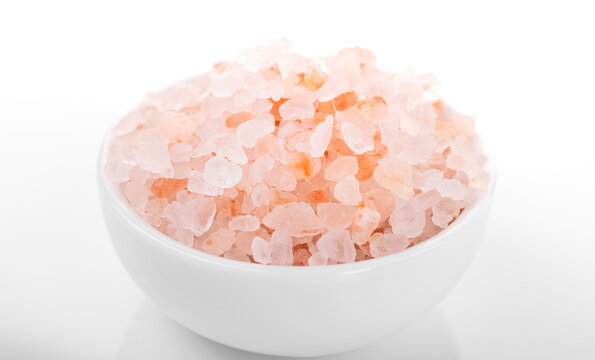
pixel 292 311
pixel 69 70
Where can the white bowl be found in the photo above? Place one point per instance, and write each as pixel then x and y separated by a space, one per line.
pixel 291 311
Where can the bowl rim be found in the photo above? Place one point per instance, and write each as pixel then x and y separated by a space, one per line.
pixel 114 199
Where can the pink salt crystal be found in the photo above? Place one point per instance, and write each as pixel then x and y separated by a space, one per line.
pixel 453 189
pixel 260 168
pixel 395 175
pixel 236 254
pixel 318 258
pixel 249 132
pixel 408 219
pixel 431 179
pixel 395 243
pixel 383 201
pixel 244 223
pixel 377 248
pixel 183 236
pixel 177 127
pixel 336 85
pixel 444 211
pixel 347 191
pixel 180 152
pixel 335 216
pixel 281 178
pixel 137 195
pixel 337 245
pixel 340 168
pixel 321 137
pixel 219 242
pixel 364 223
pixel 480 180
pixel 198 184
pixel 196 214
pixel 281 248
pixel 297 218
pixel 355 138
pixel 261 250
pixel 295 109
pixel 260 195
pixel 228 146
pixel 220 172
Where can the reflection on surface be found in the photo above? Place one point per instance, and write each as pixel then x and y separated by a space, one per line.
pixel 152 335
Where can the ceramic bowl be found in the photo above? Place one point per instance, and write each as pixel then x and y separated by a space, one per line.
pixel 291 311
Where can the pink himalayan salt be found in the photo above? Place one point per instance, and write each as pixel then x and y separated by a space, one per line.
pixel 395 175
pixel 408 218
pixel 196 214
pixel 219 242
pixel 337 245
pixel 281 248
pixel 220 172
pixel 321 137
pixel 355 138
pixel 365 222
pixel 177 127
pixel 340 168
pixel 249 132
pixel 248 151
pixel 297 218
pixel 347 191
pixel 261 250
pixel 244 223
pixel 335 216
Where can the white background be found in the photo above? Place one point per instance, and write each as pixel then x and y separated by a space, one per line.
pixel 68 70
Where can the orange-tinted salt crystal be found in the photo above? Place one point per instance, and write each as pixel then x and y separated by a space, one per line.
pixel 303 165
pixel 366 167
pixel 165 187
pixel 275 109
pixel 278 197
pixel 234 120
pixel 323 109
pixel 301 255
pixel 271 73
pixel 312 81
pixel 345 101
pixel 318 196
pixel 337 147
pixel 374 108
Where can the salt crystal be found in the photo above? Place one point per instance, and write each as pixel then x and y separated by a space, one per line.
pixel 394 175
pixel 249 132
pixel 355 138
pixel 219 242
pixel 408 219
pixel 340 168
pixel 177 127
pixel 222 173
pixel 261 250
pixel 335 216
pixel 198 184
pixel 453 189
pixel 281 248
pixel 297 218
pixel 244 223
pixel 365 222
pixel 321 137
pixel 347 191
pixel 337 245
pixel 296 109
pixel 228 146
